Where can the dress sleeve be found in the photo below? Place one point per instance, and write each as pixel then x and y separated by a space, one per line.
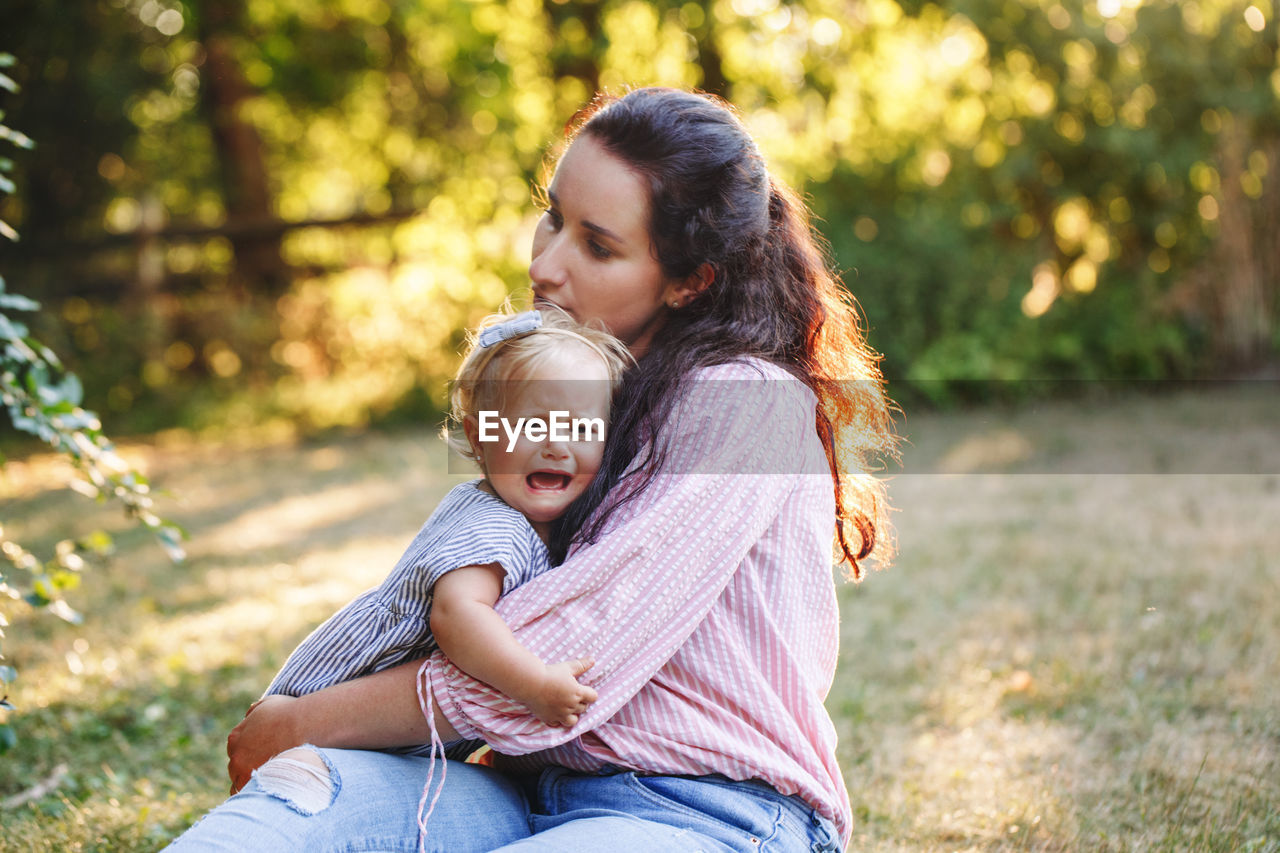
pixel 485 531
pixel 631 599
pixel 390 624
pixel 363 637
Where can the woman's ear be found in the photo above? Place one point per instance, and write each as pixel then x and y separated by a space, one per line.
pixel 681 293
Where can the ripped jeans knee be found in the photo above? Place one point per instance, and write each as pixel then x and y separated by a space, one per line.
pixel 302 777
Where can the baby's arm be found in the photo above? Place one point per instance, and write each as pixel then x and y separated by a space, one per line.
pixel 474 637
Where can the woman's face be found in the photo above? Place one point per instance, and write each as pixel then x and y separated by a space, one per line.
pixel 592 254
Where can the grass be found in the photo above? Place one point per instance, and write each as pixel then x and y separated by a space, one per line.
pixel 1077 649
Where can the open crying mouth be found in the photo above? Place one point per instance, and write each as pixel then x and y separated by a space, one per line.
pixel 548 480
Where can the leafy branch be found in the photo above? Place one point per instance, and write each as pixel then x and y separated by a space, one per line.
pixel 44 399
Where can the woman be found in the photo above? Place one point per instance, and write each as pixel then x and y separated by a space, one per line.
pixel 699 580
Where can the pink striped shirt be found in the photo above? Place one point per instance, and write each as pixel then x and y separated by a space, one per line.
pixel 708 605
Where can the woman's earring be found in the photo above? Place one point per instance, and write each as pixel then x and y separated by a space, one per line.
pixel 675 303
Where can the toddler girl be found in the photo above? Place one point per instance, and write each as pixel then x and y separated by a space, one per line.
pixel 532 398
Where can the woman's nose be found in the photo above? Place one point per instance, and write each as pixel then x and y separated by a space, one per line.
pixel 547 268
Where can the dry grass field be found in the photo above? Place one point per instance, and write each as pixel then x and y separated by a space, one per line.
pixel 1078 647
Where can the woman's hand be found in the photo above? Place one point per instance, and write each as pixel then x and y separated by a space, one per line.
pixel 266 730
pixel 336 717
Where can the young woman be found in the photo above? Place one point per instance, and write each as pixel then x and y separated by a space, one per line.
pixel 698 575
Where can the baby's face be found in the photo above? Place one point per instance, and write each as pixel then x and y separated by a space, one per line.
pixel 539 466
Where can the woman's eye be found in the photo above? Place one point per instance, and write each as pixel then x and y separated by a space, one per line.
pixel 553 217
pixel 599 250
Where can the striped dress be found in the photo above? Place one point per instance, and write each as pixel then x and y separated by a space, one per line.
pixel 709 607
pixel 390 624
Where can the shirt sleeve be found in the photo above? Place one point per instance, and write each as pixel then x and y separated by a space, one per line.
pixel 631 599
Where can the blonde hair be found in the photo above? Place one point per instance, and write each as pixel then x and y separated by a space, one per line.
pixel 487 370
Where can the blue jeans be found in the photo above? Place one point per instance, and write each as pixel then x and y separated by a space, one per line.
pixel 369 802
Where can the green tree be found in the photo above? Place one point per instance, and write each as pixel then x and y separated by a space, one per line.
pixel 1016 188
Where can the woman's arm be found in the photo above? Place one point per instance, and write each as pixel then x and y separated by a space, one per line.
pixel 338 716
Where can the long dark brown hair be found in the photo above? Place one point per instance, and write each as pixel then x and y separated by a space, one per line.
pixel 773 296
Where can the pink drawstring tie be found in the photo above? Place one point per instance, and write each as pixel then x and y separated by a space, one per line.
pixel 425 699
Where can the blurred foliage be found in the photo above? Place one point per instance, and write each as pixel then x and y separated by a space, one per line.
pixel 43 399
pixel 1048 192
pixel 1016 189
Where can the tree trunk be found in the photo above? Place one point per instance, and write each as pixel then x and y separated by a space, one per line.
pixel 1238 288
pixel 709 60
pixel 1267 229
pixel 246 185
pixel 583 66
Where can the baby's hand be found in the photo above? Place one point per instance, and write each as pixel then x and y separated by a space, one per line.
pixel 560 698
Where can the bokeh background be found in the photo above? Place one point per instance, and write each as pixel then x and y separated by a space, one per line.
pixel 273 212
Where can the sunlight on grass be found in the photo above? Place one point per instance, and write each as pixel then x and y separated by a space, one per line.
pixel 997 448
pixel 985 782
pixel 1060 660
pixel 1085 657
pixel 137 700
pixel 290 519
